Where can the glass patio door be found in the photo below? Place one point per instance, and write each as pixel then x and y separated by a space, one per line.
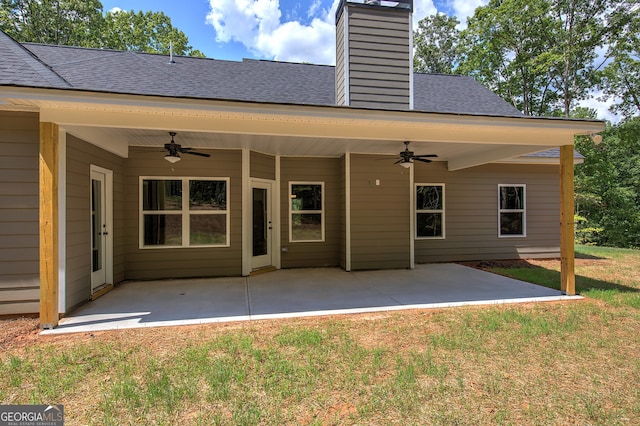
pixel 99 230
pixel 261 225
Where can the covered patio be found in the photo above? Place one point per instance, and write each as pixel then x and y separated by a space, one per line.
pixel 354 137
pixel 297 293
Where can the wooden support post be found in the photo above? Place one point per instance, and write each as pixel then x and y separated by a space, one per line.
pixel 48 225
pixel 567 230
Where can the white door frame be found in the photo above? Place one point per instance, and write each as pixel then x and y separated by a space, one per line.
pixel 269 258
pixel 107 197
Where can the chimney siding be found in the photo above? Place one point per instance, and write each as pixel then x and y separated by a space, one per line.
pixel 342 70
pixel 374 60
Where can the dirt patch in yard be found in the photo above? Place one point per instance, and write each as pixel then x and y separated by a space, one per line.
pixel 18 331
pixel 488 265
pixel 492 264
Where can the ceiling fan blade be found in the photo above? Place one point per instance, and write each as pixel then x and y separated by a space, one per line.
pixel 399 161
pixel 426 156
pixel 424 160
pixel 201 154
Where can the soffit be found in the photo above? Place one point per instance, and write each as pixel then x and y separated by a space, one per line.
pixel 116 122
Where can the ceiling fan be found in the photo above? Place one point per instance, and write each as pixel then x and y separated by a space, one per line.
pixel 174 150
pixel 408 157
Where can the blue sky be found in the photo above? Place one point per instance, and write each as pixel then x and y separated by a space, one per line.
pixel 287 30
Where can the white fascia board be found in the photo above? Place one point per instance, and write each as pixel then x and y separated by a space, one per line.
pixel 72 108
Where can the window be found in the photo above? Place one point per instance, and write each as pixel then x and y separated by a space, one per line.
pixel 430 210
pixel 184 212
pixel 306 212
pixel 511 211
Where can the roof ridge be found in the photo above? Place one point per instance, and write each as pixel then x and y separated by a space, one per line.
pixel 441 74
pixel 273 61
pixel 108 50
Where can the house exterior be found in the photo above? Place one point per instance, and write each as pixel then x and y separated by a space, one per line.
pixel 304 166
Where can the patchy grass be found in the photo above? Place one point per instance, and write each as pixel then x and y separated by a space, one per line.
pixel 533 364
pixel 604 273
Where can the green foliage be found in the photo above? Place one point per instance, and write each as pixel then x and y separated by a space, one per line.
pixel 66 22
pixel 437 44
pixel 580 28
pixel 586 233
pixel 506 45
pixel 82 23
pixel 149 32
pixel 621 78
pixel 542 56
pixel 608 187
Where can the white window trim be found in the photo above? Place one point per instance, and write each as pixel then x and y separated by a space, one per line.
pixel 185 212
pixel 443 211
pixel 291 212
pixel 523 210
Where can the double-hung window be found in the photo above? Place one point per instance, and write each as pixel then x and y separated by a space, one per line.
pixel 306 211
pixel 512 214
pixel 184 212
pixel 430 218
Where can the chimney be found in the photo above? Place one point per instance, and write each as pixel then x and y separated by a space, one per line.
pixel 374 54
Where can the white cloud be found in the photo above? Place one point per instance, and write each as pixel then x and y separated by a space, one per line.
pixel 257 25
pixel 243 20
pixel 422 9
pixel 115 10
pixel 313 9
pixel 295 42
pixel 463 9
pixel 601 107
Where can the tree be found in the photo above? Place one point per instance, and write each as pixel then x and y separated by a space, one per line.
pixel 580 28
pixel 66 22
pixel 505 43
pixel 437 45
pixel 82 23
pixel 608 186
pixel 149 32
pixel 542 55
pixel 621 78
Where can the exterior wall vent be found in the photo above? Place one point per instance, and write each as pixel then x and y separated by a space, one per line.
pixel 374 63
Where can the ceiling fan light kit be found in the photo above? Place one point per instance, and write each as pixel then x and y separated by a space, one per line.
pixel 407 157
pixel 172 158
pixel 174 150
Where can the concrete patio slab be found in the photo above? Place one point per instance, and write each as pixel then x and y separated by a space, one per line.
pixel 297 292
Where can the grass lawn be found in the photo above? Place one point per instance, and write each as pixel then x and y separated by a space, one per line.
pixel 563 363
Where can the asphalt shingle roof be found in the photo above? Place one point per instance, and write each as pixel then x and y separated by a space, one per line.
pixel 36 65
pixel 553 153
pixel 20 67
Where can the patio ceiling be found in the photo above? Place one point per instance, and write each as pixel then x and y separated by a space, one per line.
pixel 115 122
